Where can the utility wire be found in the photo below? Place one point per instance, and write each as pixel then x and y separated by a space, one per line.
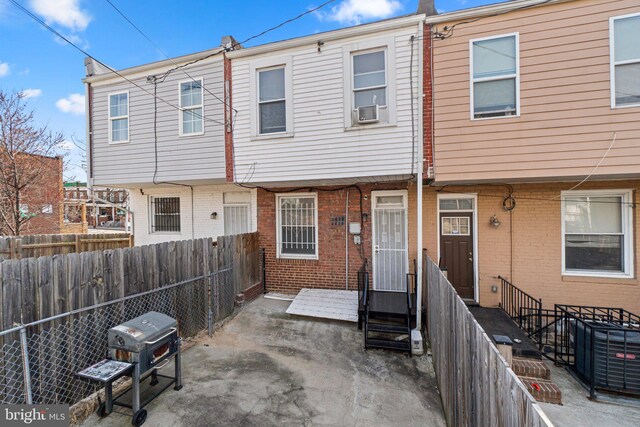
pixel 164 53
pixel 56 33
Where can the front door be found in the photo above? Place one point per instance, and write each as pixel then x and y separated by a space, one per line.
pixel 390 247
pixel 456 251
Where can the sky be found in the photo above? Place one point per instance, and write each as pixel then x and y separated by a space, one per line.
pixel 49 72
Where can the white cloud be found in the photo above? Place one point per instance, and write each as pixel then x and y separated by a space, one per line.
pixel 73 104
pixel 4 69
pixel 357 11
pixel 66 13
pixel 31 93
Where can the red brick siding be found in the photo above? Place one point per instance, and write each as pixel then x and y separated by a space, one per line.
pixel 427 101
pixel 328 271
pixel 228 120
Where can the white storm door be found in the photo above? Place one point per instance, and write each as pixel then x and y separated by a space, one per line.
pixel 390 241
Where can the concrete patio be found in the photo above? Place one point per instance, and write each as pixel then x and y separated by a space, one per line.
pixel 266 367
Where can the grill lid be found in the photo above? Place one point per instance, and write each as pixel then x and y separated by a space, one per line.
pixel 133 335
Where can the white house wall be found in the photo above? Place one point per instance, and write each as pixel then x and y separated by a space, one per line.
pixel 206 199
pixel 321 148
pixel 189 158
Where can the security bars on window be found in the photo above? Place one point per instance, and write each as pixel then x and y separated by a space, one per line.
pixel 297 226
pixel 166 214
pixel 236 219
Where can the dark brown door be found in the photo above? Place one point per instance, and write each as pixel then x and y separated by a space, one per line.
pixel 456 251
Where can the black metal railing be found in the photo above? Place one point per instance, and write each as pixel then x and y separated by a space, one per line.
pixel 601 345
pixel 523 309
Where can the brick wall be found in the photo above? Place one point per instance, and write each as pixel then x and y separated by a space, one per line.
pixel 537 250
pixel 228 120
pixel 329 270
pixel 427 101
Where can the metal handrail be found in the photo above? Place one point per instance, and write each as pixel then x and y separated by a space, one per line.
pixel 522 308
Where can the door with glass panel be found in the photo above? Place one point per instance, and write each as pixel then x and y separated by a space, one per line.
pixel 456 243
pixel 390 247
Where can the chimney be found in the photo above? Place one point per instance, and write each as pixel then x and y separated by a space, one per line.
pixel 229 43
pixel 427 7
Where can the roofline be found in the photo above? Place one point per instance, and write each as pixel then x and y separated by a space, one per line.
pixel 480 11
pixel 357 30
pixel 158 66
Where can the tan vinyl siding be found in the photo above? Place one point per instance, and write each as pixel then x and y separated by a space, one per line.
pixel 566 123
pixel 183 159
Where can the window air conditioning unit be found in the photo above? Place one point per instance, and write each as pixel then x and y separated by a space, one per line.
pixel 368 114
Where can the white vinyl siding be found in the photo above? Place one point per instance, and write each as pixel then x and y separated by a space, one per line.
pixel 625 60
pixel 297 218
pixel 597 233
pixel 494 77
pixel 196 158
pixel 192 111
pixel 119 117
pixel 321 143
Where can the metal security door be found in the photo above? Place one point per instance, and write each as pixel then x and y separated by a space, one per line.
pixel 390 247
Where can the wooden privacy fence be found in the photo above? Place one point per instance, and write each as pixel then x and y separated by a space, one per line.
pixel 17 247
pixel 476 385
pixel 38 288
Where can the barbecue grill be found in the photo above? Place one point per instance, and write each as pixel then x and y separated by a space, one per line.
pixel 138 348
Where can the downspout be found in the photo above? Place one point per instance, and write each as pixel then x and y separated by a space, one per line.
pixel 419 197
pixel 346 243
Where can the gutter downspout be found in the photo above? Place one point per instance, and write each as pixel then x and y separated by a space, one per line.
pixel 346 243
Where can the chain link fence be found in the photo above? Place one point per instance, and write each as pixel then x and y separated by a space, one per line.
pixel 38 361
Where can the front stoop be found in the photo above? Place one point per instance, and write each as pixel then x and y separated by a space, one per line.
pixel 543 390
pixel 530 368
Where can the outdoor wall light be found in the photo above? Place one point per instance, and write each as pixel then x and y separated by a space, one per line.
pixel 495 221
pixel 214 215
pixel 365 217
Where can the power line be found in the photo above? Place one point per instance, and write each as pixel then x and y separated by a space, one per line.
pixel 56 33
pixel 163 52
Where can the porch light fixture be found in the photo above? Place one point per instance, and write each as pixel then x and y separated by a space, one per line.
pixel 495 221
pixel 365 217
pixel 214 215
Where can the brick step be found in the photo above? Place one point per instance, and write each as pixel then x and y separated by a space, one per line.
pixel 543 390
pixel 531 368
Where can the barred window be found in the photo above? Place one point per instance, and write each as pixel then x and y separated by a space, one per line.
pixel 165 214
pixel 297 230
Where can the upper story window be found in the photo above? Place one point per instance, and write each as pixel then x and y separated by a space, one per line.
pixel 297 216
pixel 119 117
pixel 597 233
pixel 495 77
pixel 165 214
pixel 191 108
pixel 272 103
pixel 625 60
pixel 369 79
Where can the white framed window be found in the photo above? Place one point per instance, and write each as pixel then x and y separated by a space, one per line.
pixel 495 76
pixel 272 101
pixel 47 209
pixel 191 108
pixel 165 214
pixel 237 213
pixel 297 230
pixel 624 37
pixel 597 233
pixel 118 117
pixel 369 83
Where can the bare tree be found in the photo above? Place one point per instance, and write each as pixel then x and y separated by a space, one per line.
pixel 28 165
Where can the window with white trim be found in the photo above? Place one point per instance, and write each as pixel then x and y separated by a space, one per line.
pixel 625 60
pixel 494 77
pixel 119 117
pixel 297 218
pixel 191 108
pixel 369 79
pixel 237 213
pixel 272 103
pixel 597 233
pixel 165 214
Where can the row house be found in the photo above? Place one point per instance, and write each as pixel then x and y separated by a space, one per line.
pixel 536 132
pixel 501 139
